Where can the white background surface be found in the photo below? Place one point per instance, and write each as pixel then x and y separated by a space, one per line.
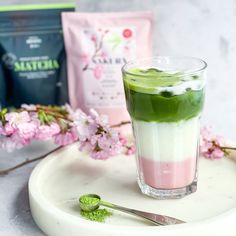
pixel 200 28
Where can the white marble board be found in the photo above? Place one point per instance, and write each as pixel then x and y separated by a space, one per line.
pixel 68 174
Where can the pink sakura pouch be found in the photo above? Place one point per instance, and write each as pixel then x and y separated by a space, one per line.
pixel 97 46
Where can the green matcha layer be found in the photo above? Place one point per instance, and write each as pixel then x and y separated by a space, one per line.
pixel 144 103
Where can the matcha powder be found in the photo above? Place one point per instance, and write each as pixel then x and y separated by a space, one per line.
pixel 98 215
pixel 87 200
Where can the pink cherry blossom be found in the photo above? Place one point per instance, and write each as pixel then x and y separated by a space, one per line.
pixel 99 155
pixel 123 139
pixel 104 146
pixel 9 129
pixel 130 150
pixel 73 114
pixel 101 120
pixel 98 71
pixel 205 146
pixel 211 145
pixel 92 130
pixel 15 118
pixel 20 123
pixel 127 145
pixel 69 137
pixel 46 132
pixel 206 133
pixel 96 137
pixel 28 130
pixel 30 107
pixel 86 126
pixel 217 153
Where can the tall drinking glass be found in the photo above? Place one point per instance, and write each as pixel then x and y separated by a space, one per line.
pixel 165 97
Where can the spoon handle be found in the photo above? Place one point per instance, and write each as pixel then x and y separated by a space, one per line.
pixel 154 218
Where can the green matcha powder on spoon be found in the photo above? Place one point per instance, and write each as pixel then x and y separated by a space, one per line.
pixel 99 215
pixel 90 203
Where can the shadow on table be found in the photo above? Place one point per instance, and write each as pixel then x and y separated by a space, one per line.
pixel 22 217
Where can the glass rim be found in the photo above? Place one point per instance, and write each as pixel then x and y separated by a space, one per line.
pixel 186 73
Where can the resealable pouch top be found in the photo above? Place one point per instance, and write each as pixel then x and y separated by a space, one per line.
pixel 32 55
pixel 97 46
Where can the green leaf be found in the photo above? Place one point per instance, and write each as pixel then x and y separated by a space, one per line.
pixel 42 117
pixel 50 118
pixel 3 112
pixel 226 153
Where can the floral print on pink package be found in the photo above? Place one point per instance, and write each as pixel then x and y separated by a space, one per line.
pixel 97 46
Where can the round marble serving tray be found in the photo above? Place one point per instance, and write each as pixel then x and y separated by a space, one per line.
pixel 68 173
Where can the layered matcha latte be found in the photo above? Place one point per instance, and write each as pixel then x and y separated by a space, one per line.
pixel 165 98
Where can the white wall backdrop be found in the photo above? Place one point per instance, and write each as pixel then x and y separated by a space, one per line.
pixel 199 28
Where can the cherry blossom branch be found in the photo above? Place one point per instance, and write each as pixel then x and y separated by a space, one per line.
pixel 55 112
pixel 20 127
pixel 213 146
pixel 230 148
pixel 121 124
pixel 27 161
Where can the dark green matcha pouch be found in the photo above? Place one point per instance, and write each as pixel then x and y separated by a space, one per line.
pixel 32 55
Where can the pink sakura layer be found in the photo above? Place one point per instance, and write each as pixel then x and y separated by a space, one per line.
pixel 168 175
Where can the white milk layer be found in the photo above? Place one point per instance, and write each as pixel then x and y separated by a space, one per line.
pixel 164 142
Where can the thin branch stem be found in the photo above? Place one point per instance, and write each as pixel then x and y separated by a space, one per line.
pixel 57 115
pixel 230 148
pixel 26 162
pixel 120 124
pixel 50 111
